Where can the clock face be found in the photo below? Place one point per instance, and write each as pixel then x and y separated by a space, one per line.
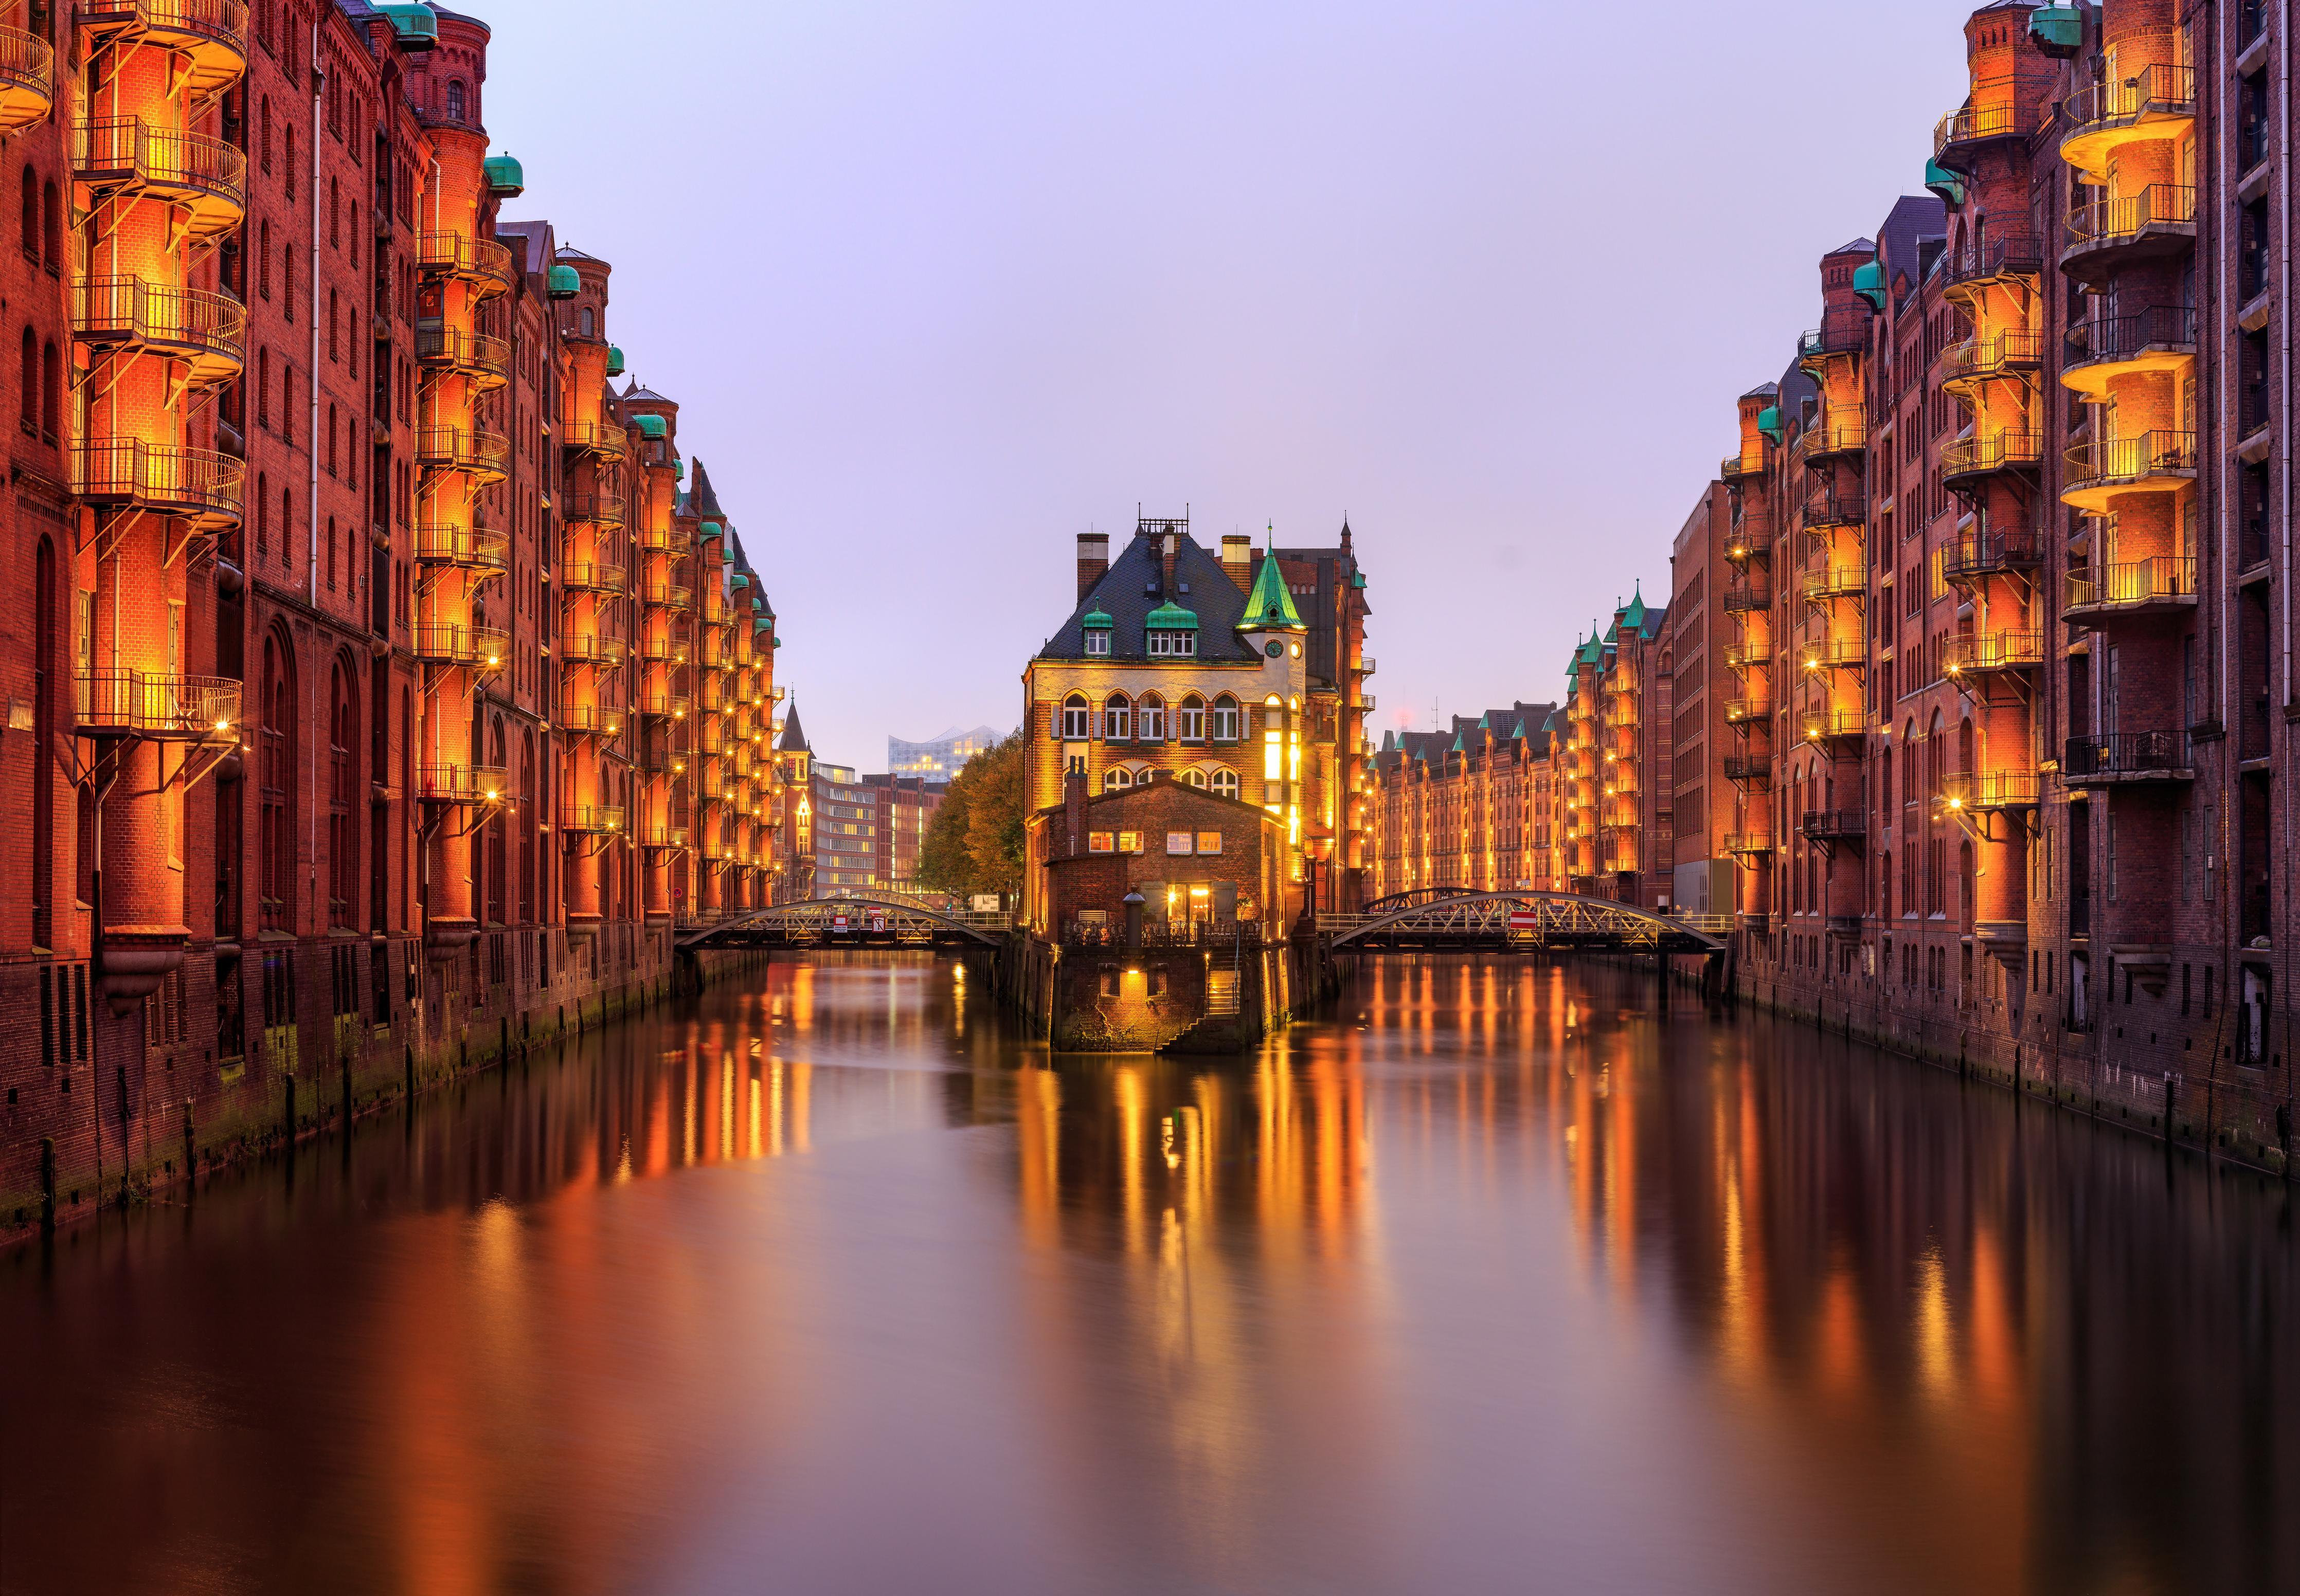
pixel 1273 648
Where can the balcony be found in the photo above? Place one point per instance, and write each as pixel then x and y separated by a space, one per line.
pixel 662 540
pixel 1988 792
pixel 1748 656
pixel 1742 711
pixel 1748 542
pixel 1741 600
pixel 658 835
pixel 1992 655
pixel 454 644
pixel 1822 726
pixel 591 820
pixel 481 262
pixel 462 548
pixel 27 81
pixel 209 36
pixel 2014 258
pixel 204 179
pixel 1747 844
pixel 2096 353
pixel 2159 461
pixel 664 706
pixel 591 648
pixel 1840 333
pixel 483 455
pixel 1750 770
pixel 1833 440
pixel 1981 554
pixel 591 510
pixel 174 709
pixel 1834 826
pixel 599 439
pixel 590 721
pixel 2161 219
pixel 1834 653
pixel 663 651
pixel 1834 582
pixel 669 595
pixel 1968 461
pixel 1742 467
pixel 201 486
pixel 2002 108
pixel 1828 508
pixel 586 575
pixel 2010 353
pixel 207 332
pixel 2155 102
pixel 474 784
pixel 482 361
pixel 2128 757
pixel 2162 584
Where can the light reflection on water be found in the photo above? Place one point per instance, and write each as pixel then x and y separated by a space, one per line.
pixel 1496 1281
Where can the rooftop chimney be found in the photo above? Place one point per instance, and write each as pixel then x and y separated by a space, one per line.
pixel 1238 561
pixel 1094 559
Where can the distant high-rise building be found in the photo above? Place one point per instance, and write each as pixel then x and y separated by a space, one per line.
pixel 938 757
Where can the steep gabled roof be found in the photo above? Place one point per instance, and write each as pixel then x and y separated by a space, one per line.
pixel 793 739
pixel 705 501
pixel 1133 587
pixel 1270 607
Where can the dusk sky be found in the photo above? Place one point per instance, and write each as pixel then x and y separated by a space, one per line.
pixel 938 286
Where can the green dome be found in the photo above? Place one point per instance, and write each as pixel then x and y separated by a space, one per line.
pixel 1097 620
pixel 2058 30
pixel 739 580
pixel 505 179
pixel 1171 617
pixel 1769 422
pixel 654 427
pixel 762 624
pixel 709 530
pixel 1869 282
pixel 1944 183
pixel 416 26
pixel 563 283
pixel 678 467
pixel 615 360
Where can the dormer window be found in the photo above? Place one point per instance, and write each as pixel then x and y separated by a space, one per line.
pixel 1171 632
pixel 1096 624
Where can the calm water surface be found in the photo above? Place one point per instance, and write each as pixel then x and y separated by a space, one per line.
pixel 1500 1280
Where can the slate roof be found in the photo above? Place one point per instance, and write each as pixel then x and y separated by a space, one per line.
pixel 637 392
pixel 1133 587
pixel 706 502
pixel 793 739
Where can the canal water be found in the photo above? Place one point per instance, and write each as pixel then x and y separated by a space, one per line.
pixel 1501 1279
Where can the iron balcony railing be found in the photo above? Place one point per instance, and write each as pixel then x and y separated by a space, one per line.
pixel 2153 93
pixel 2127 754
pixel 1989 258
pixel 1740 711
pixel 1749 768
pixel 1834 825
pixel 1749 543
pixel 1748 656
pixel 663 651
pixel 28 79
pixel 208 329
pixel 483 262
pixel 1834 653
pixel 588 577
pixel 1982 791
pixel 464 784
pixel 1740 600
pixel 1827 507
pixel 2162 452
pixel 1984 655
pixel 1736 468
pixel 485 454
pixel 591 820
pixel 219 22
pixel 1824 439
pixel 207 173
pixel 1835 582
pixel 2005 451
pixel 604 439
pixel 453 643
pixel 2167 329
pixel 591 648
pixel 482 360
pixel 467 548
pixel 2001 108
pixel 590 720
pixel 190 709
pixel 1977 554
pixel 594 509
pixel 2163 578
pixel 2103 224
pixel 671 706
pixel 658 835
pixel 1841 332
pixel 1748 842
pixel 669 595
pixel 197 483
pixel 662 540
pixel 1977 358
pixel 1813 725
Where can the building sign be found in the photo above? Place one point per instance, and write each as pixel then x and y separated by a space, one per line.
pixel 1179 841
pixel 986 902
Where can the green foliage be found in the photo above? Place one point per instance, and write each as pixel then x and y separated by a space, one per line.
pixel 975 842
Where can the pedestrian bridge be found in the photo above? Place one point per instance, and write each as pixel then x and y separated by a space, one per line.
pixel 1434 920
pixel 889 922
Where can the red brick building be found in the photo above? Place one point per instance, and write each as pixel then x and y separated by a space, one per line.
pixel 383 691
pixel 1471 808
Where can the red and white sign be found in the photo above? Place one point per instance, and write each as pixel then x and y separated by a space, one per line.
pixel 838 921
pixel 1521 918
pixel 878 920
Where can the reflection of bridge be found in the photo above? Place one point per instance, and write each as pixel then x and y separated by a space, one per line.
pixel 847 923
pixel 1435 919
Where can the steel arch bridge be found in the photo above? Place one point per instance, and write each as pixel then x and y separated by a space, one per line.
pixel 1415 898
pixel 844 923
pixel 1521 922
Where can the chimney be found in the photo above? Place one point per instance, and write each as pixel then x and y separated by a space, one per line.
pixel 1238 561
pixel 1074 808
pixel 1094 559
pixel 1173 548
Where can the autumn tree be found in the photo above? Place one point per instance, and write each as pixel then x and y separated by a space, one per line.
pixel 975 842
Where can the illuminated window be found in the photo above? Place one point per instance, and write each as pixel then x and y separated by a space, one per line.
pixel 1197 778
pixel 1116 719
pixel 1130 842
pixel 1100 842
pixel 1191 720
pixel 1226 718
pixel 1117 778
pixel 1075 718
pixel 1210 842
pixel 1226 783
pixel 1150 718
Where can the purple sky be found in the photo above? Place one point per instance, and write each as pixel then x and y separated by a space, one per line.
pixel 939 286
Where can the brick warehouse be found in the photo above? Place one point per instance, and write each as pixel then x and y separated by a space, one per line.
pixel 387 691
pixel 2004 624
pixel 1471 808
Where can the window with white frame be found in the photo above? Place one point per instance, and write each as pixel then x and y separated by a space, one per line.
pixel 1191 720
pixel 1117 779
pixel 1117 719
pixel 1097 641
pixel 1172 644
pixel 1150 718
pixel 1226 729
pixel 1075 718
pixel 1226 783
pixel 1197 778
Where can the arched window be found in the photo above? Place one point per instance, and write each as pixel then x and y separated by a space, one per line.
pixel 276 777
pixel 263 259
pixel 526 807
pixel 1076 714
pixel 1195 777
pixel 1225 719
pixel 287 282
pixel 335 211
pixel 1150 718
pixel 331 553
pixel 287 525
pixel 28 385
pixel 1117 778
pixel 51 229
pixel 263 133
pixel 455 99
pixel 1885 886
pixel 262 516
pixel 29 215
pixel 1225 783
pixel 343 780
pixel 331 440
pixel 51 393
pixel 588 323
pixel 1116 719
pixel 1191 721
pixel 335 312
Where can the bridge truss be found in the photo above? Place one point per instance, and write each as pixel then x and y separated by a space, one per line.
pixel 847 923
pixel 1522 922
